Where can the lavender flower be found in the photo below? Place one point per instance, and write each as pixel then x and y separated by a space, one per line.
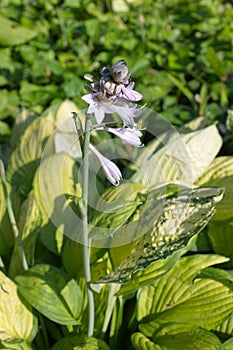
pixel 130 136
pixel 111 171
pixel 114 93
pixel 127 112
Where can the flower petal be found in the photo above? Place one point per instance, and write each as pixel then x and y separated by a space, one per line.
pixel 130 136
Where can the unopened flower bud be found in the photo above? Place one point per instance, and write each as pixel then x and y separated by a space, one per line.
pixel 111 171
pixel 120 72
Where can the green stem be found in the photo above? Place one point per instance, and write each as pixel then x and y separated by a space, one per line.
pixel 12 217
pixel 86 242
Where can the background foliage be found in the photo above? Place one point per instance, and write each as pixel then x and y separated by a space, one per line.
pixel 180 53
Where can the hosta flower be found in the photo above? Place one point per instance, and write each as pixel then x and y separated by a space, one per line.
pixel 126 111
pixel 130 136
pixel 111 171
pixel 115 86
pixel 95 107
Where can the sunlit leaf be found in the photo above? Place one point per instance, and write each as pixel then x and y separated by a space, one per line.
pixel 56 188
pixel 200 339
pixel 141 342
pixel 228 345
pixel 17 322
pixel 180 219
pixel 60 300
pixel 182 159
pixel 25 158
pixel 179 302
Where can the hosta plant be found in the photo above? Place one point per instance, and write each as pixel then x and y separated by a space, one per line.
pixel 100 219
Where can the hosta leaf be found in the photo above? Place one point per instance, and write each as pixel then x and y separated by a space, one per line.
pixel 147 276
pixel 25 158
pixel 144 154
pixel 182 159
pixel 219 275
pixel 13 34
pixel 220 173
pixel 110 217
pixel 23 120
pixel 66 138
pixel 220 235
pixel 6 233
pixel 226 327
pixel 177 220
pixel 141 342
pixel 28 224
pixel 17 322
pixel 15 345
pixel 60 300
pixel 80 342
pixel 228 345
pixel 63 112
pixel 55 187
pixel 200 339
pixel 178 302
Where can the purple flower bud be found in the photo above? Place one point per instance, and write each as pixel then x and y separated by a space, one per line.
pixel 120 72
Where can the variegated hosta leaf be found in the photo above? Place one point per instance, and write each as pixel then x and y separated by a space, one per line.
pixel 181 217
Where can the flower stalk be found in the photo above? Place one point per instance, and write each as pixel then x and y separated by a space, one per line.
pixel 85 241
pixel 113 93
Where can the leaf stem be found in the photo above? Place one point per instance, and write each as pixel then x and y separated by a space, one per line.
pixel 86 242
pixel 12 217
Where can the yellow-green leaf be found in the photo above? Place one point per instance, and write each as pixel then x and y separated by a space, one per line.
pixel 182 159
pixel 80 342
pixel 17 322
pixel 179 302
